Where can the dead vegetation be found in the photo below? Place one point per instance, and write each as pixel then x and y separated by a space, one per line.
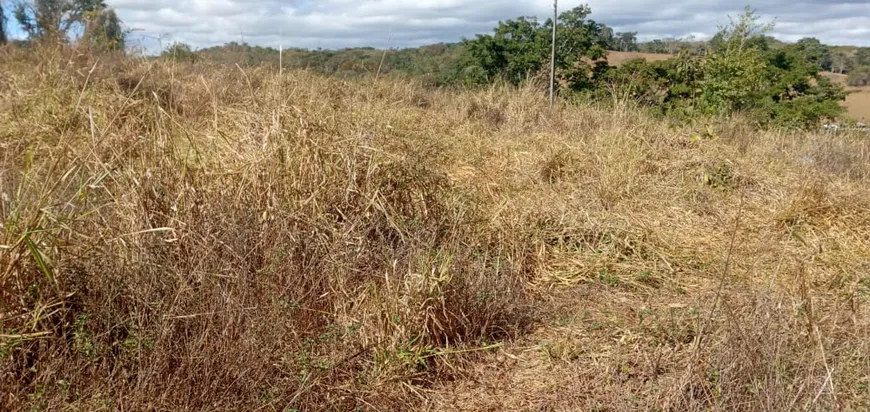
pixel 194 237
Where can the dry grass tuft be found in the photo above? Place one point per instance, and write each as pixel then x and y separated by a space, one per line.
pixel 195 237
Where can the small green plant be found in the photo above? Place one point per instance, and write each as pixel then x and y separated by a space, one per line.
pixel 708 133
pixel 83 343
pixel 605 277
pixel 644 314
pixel 644 276
pixel 7 346
pixel 720 176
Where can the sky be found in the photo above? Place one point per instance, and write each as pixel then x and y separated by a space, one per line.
pixel 405 23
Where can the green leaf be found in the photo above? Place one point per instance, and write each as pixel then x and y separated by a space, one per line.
pixel 37 256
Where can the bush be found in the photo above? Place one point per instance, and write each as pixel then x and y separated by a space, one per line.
pixel 859 77
pixel 779 87
pixel 179 52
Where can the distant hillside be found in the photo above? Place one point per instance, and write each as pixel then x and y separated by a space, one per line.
pixel 426 62
pixel 616 58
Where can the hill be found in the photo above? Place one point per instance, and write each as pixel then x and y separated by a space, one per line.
pixel 196 236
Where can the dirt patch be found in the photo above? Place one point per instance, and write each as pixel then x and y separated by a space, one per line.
pixel 616 58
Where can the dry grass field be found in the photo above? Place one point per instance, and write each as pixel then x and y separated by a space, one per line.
pixel 616 58
pixel 857 102
pixel 196 237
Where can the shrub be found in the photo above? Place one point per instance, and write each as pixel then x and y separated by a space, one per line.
pixel 859 77
pixel 179 52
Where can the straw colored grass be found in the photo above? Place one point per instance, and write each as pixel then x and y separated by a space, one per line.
pixel 194 237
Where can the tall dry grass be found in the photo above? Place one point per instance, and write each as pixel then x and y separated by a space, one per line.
pixel 194 237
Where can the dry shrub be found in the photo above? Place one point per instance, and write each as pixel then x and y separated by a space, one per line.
pixel 738 131
pixel 844 157
pixel 560 165
pixel 277 268
pixel 720 175
pixel 493 116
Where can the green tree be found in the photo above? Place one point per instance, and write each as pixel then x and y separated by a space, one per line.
pixel 812 50
pixel 580 40
pixel 734 71
pixel 608 37
pixel 859 77
pixel 841 62
pixel 670 87
pixel 520 48
pixel 104 31
pixel 514 51
pixel 3 38
pixel 53 18
pixel 781 86
pixel 862 56
pixel 655 46
pixel 179 52
pixel 743 71
pixel 797 95
pixel 626 41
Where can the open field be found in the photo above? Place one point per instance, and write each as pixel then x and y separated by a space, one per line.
pixel 857 102
pixel 198 237
pixel 616 58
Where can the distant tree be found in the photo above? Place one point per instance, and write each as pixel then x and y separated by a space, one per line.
pixel 626 41
pixel 814 52
pixel 3 37
pixel 670 45
pixel 520 48
pixel 841 62
pixel 655 46
pixel 53 18
pixel 104 31
pixel 514 51
pixel 580 41
pixel 862 56
pixel 743 71
pixel 859 77
pixel 608 37
pixel 734 70
pixel 779 85
pixel 179 52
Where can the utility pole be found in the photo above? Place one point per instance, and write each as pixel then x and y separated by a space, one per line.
pixel 384 56
pixel 553 53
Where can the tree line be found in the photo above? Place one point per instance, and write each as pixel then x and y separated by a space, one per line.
pixel 91 22
pixel 741 69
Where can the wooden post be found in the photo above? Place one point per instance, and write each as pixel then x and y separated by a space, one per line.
pixel 281 52
pixel 553 53
pixel 384 56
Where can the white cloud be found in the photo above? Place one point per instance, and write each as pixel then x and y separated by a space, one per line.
pixel 344 23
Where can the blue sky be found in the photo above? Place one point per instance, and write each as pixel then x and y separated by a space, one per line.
pixel 344 23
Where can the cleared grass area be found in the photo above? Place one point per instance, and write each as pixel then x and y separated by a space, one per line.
pixel 857 102
pixel 194 237
pixel 616 58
